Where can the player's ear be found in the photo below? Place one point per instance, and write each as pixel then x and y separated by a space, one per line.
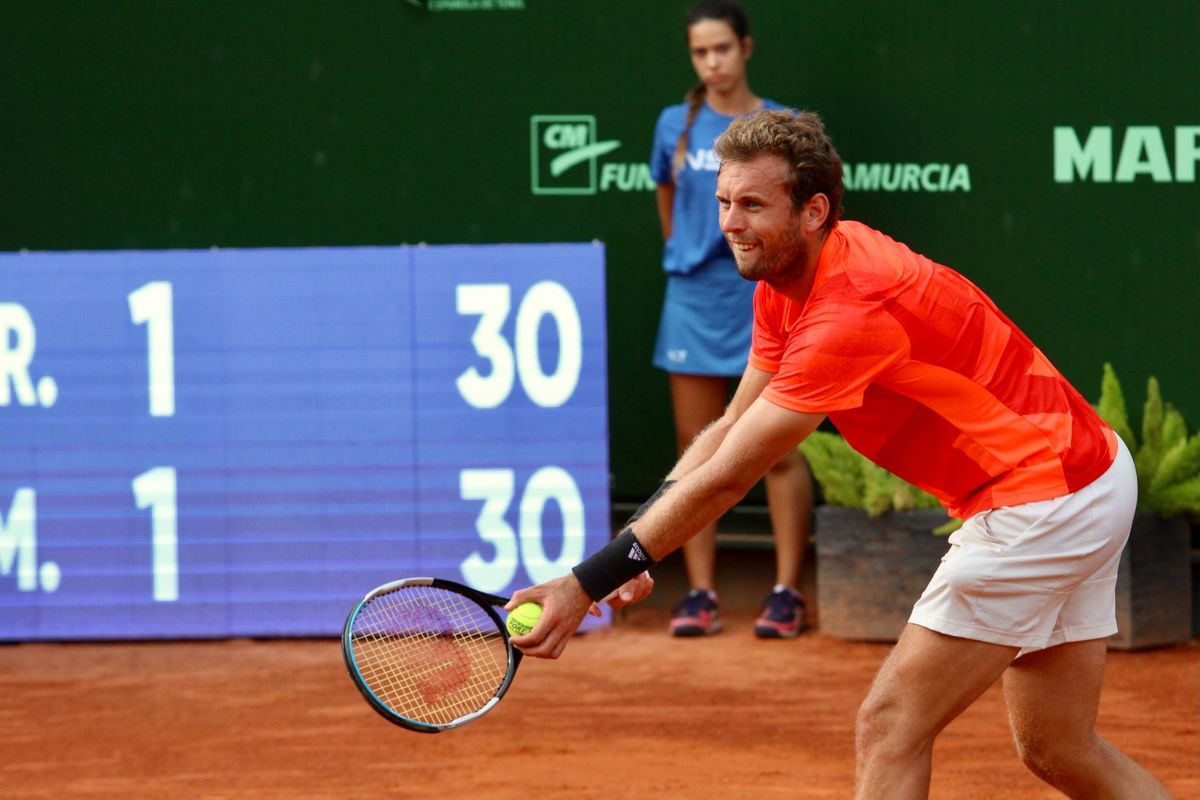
pixel 815 212
pixel 747 47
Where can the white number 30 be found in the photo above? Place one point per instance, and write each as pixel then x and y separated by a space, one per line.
pixel 492 302
pixel 496 488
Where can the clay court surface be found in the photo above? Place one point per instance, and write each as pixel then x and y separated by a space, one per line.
pixel 627 713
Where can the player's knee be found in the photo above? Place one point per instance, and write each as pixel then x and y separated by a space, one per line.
pixel 869 724
pixel 1039 759
pixel 887 729
pixel 878 728
pixel 1051 758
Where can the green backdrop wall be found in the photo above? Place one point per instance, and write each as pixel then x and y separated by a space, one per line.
pixel 1049 151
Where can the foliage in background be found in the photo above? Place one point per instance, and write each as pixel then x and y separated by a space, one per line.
pixel 1167 459
pixel 850 479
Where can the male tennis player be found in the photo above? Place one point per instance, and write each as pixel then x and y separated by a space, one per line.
pixel 923 374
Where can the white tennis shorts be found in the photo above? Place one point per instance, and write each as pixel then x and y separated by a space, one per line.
pixel 1036 575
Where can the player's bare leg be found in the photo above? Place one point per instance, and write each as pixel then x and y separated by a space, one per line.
pixel 1052 697
pixel 926 681
pixel 789 500
pixel 697 400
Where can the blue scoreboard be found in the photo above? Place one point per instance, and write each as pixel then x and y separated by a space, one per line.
pixel 242 442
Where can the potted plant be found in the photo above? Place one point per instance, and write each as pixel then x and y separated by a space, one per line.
pixel 1154 591
pixel 875 551
pixel 875 542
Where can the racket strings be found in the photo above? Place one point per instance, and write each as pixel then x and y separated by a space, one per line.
pixel 429 654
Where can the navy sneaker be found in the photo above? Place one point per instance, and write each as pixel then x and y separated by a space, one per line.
pixel 782 615
pixel 696 614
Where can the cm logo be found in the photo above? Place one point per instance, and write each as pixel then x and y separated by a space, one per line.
pixel 564 151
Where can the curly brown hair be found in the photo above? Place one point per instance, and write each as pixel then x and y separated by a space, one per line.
pixel 799 138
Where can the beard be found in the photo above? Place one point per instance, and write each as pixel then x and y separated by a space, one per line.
pixel 773 261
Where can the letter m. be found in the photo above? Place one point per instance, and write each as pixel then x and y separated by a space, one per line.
pixel 18 540
pixel 1072 158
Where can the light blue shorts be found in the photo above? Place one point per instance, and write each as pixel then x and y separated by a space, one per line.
pixel 706 322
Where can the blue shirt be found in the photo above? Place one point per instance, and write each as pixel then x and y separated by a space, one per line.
pixel 695 230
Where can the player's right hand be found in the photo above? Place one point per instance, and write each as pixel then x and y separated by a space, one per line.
pixel 564 605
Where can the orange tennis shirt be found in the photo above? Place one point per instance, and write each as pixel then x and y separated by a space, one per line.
pixel 924 375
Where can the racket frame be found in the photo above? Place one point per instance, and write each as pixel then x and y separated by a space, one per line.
pixel 488 602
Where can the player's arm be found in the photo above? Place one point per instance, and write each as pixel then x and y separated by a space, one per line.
pixel 752 444
pixel 758 439
pixel 701 450
pixel 706 443
pixel 708 440
pixel 665 196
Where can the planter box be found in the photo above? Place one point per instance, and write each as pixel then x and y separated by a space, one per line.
pixel 870 571
pixel 1195 580
pixel 1154 585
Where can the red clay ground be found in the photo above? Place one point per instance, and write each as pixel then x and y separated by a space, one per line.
pixel 627 713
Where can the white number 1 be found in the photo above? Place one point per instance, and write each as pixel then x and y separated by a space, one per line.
pixel 151 304
pixel 155 489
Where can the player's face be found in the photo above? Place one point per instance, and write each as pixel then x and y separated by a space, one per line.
pixel 764 230
pixel 718 56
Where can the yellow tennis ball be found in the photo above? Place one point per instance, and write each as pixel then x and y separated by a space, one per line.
pixel 523 618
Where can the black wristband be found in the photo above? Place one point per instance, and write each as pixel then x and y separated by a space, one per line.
pixel 612 565
pixel 642 510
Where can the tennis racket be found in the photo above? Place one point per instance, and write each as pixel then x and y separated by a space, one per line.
pixel 429 654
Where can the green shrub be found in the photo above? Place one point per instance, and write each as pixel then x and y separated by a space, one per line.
pixel 1166 458
pixel 849 479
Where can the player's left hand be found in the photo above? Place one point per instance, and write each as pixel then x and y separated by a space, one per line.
pixel 564 605
pixel 632 591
